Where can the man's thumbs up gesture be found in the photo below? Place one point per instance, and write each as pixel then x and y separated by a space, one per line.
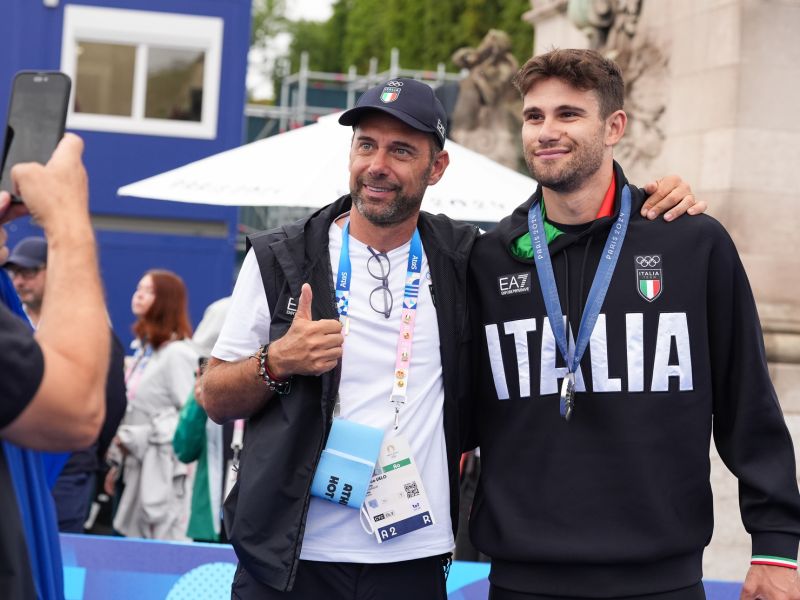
pixel 309 347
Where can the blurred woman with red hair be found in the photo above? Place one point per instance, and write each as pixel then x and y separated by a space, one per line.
pixel 155 500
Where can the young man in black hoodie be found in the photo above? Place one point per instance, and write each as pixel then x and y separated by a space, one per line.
pixel 595 437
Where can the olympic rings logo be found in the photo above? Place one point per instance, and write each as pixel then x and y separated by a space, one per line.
pixel 648 261
pixel 394 83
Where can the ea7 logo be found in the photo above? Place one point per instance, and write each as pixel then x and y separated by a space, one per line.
pixel 649 279
pixel 291 307
pixel 517 283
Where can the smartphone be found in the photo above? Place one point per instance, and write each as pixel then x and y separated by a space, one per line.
pixel 37 114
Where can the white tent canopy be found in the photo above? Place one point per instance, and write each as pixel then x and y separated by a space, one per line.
pixel 309 167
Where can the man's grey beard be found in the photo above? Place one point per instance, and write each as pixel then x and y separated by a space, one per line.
pixel 399 211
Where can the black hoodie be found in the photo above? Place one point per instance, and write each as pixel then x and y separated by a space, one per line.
pixel 617 501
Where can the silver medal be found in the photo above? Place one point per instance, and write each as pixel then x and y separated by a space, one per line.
pixel 568 395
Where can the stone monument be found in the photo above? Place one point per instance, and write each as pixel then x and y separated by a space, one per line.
pixel 712 93
pixel 487 115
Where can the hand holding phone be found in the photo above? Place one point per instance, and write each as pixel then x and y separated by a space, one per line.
pixel 37 116
pixel 57 193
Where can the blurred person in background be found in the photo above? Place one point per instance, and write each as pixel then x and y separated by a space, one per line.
pixel 51 381
pixel 198 438
pixel 155 498
pixel 76 472
pixel 83 474
pixel 27 268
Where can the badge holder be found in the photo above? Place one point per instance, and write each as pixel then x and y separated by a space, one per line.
pixel 347 462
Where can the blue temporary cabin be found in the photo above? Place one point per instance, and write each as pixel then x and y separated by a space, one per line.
pixel 156 84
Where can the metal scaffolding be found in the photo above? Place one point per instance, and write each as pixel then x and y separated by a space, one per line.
pixel 294 110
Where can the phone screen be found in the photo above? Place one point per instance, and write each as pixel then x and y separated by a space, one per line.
pixel 36 116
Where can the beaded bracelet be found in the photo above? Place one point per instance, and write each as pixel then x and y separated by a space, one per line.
pixel 279 386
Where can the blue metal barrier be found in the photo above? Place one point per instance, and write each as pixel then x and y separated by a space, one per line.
pixel 99 567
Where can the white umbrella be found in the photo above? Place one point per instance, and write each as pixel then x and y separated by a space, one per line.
pixel 308 167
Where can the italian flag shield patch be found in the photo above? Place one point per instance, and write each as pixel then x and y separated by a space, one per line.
pixel 649 281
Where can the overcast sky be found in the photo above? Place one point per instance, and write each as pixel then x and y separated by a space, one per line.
pixel 311 10
pixel 258 83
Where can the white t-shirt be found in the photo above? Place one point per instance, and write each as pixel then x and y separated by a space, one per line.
pixel 333 533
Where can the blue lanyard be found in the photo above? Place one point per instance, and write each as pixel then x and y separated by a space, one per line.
pixel 413 275
pixel 413 272
pixel 407 317
pixel 343 279
pixel 602 279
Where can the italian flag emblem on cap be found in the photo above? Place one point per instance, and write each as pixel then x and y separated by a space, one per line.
pixel 390 94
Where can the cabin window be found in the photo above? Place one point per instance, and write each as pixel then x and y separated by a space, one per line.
pixel 142 72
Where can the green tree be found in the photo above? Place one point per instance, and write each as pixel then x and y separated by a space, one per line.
pixel 367 33
pixel 425 32
pixel 269 19
pixel 510 21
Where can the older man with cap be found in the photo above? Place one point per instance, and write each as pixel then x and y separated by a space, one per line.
pixel 27 267
pixel 284 360
pixel 346 323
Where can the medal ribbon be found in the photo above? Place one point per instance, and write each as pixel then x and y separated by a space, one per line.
pixel 597 293
pixel 407 317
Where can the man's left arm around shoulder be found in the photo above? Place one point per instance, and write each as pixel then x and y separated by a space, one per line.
pixel 672 197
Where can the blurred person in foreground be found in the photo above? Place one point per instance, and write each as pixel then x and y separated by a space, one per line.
pixel 75 483
pixel 293 353
pixel 155 496
pixel 52 381
pixel 595 466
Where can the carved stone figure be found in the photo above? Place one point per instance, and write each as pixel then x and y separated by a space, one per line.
pixel 612 28
pixel 644 66
pixel 486 116
pixel 593 17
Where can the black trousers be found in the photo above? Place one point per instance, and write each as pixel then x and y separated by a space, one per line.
pixel 73 495
pixel 421 579
pixel 693 592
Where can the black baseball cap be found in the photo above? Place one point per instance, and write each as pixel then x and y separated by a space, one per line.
pixel 411 101
pixel 29 253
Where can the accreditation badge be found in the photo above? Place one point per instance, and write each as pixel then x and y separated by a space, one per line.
pixel 396 503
